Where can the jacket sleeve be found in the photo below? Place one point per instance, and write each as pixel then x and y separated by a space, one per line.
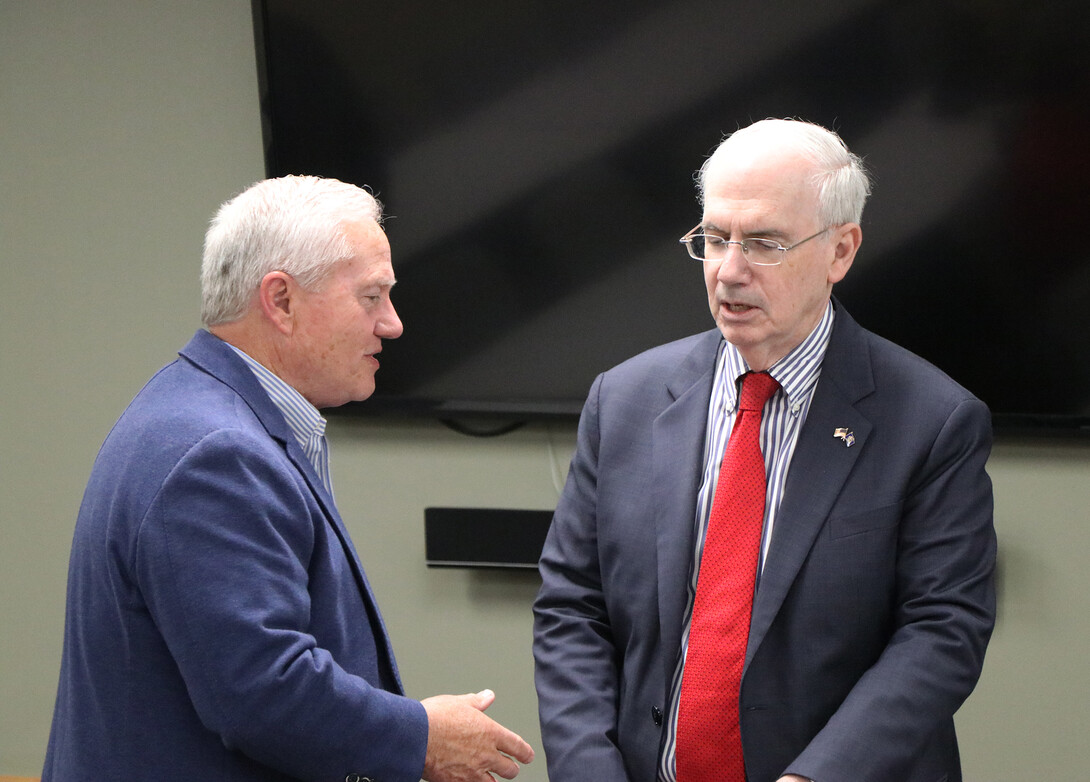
pixel 222 562
pixel 575 654
pixel 943 610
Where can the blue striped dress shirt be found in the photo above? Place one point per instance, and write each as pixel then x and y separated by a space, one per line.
pixel 784 414
pixel 303 418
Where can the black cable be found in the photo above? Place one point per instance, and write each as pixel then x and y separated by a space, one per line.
pixel 498 431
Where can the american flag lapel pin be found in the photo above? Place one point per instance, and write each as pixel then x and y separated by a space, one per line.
pixel 845 434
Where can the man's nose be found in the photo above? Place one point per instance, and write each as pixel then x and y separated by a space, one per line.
pixel 389 325
pixel 734 264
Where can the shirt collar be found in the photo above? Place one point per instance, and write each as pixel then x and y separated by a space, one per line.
pixel 303 418
pixel 797 372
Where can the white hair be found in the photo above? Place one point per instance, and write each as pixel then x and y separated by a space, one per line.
pixel 840 178
pixel 293 224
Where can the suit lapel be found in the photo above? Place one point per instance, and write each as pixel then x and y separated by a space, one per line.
pixel 213 356
pixel 678 434
pixel 820 466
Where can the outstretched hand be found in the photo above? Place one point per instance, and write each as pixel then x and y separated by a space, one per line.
pixel 466 746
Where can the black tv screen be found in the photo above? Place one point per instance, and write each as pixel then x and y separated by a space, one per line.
pixel 536 162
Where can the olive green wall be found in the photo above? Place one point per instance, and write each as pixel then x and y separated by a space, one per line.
pixel 122 126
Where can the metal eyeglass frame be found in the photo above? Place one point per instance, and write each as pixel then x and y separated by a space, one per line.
pixel 744 244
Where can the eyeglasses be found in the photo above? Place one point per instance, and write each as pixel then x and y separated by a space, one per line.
pixel 759 252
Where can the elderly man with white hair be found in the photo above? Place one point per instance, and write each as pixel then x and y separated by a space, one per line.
pixel 774 555
pixel 220 624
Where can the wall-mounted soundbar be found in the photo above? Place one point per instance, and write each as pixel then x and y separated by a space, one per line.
pixel 484 537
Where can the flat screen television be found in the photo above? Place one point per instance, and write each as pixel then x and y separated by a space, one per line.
pixel 536 162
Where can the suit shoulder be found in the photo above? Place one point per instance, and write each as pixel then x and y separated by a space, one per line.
pixel 896 364
pixel 183 395
pixel 179 407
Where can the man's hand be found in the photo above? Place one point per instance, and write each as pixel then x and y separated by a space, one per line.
pixel 466 746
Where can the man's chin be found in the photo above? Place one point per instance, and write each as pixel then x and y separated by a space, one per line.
pixel 735 333
pixel 363 393
pixel 360 395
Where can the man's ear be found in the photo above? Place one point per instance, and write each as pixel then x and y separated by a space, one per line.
pixel 848 238
pixel 277 298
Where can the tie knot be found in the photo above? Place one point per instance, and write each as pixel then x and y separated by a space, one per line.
pixel 757 388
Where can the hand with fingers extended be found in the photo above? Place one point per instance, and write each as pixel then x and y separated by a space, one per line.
pixel 464 745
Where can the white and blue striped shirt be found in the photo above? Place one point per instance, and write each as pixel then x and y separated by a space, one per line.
pixel 303 418
pixel 784 414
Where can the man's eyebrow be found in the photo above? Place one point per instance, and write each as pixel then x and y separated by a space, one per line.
pixel 769 233
pixel 381 281
pixel 779 236
pixel 377 284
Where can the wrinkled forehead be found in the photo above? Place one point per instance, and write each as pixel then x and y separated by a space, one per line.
pixel 760 174
pixel 777 155
pixel 366 241
pixel 367 255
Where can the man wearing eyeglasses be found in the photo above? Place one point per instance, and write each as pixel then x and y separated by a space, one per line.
pixel 820 609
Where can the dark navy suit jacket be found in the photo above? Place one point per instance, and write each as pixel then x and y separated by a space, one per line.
pixel 875 604
pixel 219 623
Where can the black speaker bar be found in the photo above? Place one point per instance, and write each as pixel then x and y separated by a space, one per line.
pixel 484 537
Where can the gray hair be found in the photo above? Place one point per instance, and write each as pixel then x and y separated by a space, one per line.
pixel 293 224
pixel 840 178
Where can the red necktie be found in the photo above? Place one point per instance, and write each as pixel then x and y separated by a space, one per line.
pixel 709 740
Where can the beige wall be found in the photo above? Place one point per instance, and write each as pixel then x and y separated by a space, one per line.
pixel 122 126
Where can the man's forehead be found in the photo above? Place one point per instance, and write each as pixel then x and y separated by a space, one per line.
pixel 754 161
pixel 758 183
pixel 363 230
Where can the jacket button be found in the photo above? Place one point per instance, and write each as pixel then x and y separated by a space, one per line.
pixel 656 715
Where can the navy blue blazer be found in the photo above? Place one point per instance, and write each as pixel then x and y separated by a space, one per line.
pixel 219 623
pixel 876 601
